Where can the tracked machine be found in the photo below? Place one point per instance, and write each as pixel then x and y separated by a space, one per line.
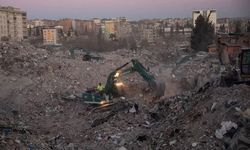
pixel 113 84
pixel 240 74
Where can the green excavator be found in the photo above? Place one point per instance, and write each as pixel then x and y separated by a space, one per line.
pixel 112 84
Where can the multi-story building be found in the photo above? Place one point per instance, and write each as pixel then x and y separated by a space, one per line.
pixel 150 35
pixel 122 27
pixel 206 13
pixel 96 25
pixel 38 23
pixel 124 30
pixel 84 26
pixel 49 23
pixel 13 24
pixel 67 25
pixel 50 35
pixel 109 26
pixel 35 27
pixel 222 25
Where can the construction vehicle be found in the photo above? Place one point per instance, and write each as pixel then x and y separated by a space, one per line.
pixel 86 54
pixel 112 84
pixel 244 66
pixel 240 73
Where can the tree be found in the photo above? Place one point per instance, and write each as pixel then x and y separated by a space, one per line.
pixel 248 26
pixel 238 26
pixel 171 30
pixel 202 34
pixel 177 27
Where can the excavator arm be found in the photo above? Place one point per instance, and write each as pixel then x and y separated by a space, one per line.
pixel 110 87
pixel 111 84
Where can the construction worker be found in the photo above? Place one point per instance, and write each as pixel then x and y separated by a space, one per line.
pixel 100 88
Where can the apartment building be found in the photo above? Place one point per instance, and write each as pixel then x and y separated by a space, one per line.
pixel 50 36
pixel 150 35
pixel 222 25
pixel 67 25
pixel 13 23
pixel 109 26
pixel 82 27
pixel 211 13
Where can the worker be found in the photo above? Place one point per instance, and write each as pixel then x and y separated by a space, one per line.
pixel 100 88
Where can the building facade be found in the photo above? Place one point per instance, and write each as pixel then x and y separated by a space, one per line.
pixel 13 23
pixel 206 13
pixel 222 25
pixel 67 25
pixel 50 36
pixel 109 26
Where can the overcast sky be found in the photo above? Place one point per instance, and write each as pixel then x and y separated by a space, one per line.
pixel 132 9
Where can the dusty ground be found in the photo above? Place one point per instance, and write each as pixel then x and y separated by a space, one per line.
pixel 34 116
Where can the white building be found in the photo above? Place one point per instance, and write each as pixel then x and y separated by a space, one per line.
pixel 38 23
pixel 12 23
pixel 206 13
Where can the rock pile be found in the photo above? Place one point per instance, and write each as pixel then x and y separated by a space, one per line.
pixel 21 58
pixel 34 116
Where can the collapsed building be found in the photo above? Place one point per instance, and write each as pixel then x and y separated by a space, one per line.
pixel 194 113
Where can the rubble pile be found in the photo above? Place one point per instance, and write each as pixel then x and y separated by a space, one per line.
pixel 193 121
pixel 33 115
pixel 195 71
pixel 21 58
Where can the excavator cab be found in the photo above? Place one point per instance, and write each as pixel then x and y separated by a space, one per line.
pixel 245 63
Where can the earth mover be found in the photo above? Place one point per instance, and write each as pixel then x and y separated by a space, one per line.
pixel 240 74
pixel 244 66
pixel 112 84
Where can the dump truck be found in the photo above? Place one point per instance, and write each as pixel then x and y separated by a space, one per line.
pixel 112 84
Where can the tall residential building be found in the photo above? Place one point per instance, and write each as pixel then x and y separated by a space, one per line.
pixel 84 26
pixel 67 25
pixel 51 35
pixel 150 35
pixel 109 26
pixel 222 25
pixel 13 23
pixel 206 13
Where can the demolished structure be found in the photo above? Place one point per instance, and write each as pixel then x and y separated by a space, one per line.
pixel 194 113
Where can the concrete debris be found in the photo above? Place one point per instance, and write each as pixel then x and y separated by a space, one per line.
pixel 246 113
pixel 192 78
pixel 194 144
pixel 122 148
pixel 35 115
pixel 172 142
pixel 225 127
pixel 134 109
pixel 213 107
